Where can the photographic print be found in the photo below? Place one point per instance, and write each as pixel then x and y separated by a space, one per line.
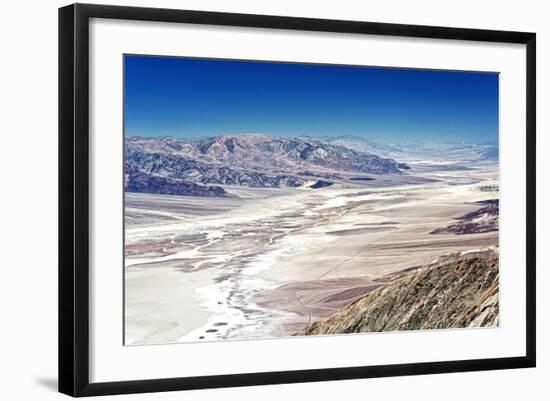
pixel 270 199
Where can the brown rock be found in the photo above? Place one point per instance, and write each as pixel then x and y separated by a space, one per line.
pixel 462 293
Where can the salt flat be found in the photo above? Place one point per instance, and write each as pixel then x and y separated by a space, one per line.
pixel 265 262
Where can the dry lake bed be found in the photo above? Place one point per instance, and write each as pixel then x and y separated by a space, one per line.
pixel 265 262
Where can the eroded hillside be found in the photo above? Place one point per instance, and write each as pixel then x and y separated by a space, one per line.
pixel 462 293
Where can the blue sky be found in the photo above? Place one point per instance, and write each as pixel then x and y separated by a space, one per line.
pixel 187 98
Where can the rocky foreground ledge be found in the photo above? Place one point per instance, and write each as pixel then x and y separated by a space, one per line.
pixel 462 293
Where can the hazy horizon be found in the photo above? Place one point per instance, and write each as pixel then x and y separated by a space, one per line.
pixel 191 98
pixel 377 140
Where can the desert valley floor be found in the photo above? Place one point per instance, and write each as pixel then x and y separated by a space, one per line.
pixel 267 262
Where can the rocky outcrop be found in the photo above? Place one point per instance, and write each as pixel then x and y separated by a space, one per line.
pixel 462 293
pixel 483 220
pixel 320 184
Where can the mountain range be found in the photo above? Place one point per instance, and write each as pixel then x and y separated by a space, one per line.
pixel 251 160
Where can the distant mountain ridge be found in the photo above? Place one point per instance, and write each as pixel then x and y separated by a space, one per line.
pixel 253 160
pixel 442 150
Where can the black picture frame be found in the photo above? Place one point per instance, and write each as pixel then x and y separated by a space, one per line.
pixel 74 200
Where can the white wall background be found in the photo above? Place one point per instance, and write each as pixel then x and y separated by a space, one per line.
pixel 28 202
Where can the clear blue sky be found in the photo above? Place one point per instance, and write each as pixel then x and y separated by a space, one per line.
pixel 188 98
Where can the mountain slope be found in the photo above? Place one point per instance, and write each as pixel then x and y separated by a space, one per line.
pixel 479 221
pixel 463 293
pixel 249 159
pixel 136 181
